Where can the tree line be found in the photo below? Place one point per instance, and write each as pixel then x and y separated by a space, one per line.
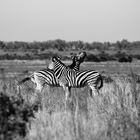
pixel 62 45
pixel 40 50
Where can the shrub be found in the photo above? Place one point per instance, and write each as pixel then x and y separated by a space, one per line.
pixel 92 58
pixel 125 59
pixel 14 115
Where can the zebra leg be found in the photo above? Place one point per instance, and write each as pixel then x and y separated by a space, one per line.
pixel 94 91
pixel 67 94
pixel 69 90
pixel 38 84
pixel 39 87
pixel 48 89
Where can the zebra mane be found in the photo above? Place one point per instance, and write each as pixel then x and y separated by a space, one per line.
pixel 55 59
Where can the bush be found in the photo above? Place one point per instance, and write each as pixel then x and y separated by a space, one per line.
pixel 125 59
pixel 92 58
pixel 14 115
pixel 137 56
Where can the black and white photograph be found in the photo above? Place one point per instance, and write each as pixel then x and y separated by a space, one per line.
pixel 69 69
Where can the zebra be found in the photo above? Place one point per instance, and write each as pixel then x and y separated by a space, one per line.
pixel 47 77
pixel 68 78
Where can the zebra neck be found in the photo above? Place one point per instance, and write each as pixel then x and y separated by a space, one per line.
pixel 72 65
pixel 59 69
pixel 76 68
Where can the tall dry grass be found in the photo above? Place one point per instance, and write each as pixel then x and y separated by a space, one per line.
pixel 114 114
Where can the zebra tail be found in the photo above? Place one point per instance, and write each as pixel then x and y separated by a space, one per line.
pixel 101 82
pixel 24 80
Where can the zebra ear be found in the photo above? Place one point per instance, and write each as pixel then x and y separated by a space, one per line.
pixel 54 59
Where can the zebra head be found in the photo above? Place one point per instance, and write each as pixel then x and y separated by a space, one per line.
pixel 56 62
pixel 51 65
pixel 75 63
pixel 81 56
pixel 57 66
pixel 77 60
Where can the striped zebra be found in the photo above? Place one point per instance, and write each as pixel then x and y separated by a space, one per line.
pixel 47 77
pixel 68 78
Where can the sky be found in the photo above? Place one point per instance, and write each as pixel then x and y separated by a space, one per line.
pixel 70 20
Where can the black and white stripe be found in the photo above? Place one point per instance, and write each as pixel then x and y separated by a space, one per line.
pixel 77 79
pixel 47 76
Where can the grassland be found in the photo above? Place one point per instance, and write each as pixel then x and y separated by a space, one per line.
pixel 113 115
